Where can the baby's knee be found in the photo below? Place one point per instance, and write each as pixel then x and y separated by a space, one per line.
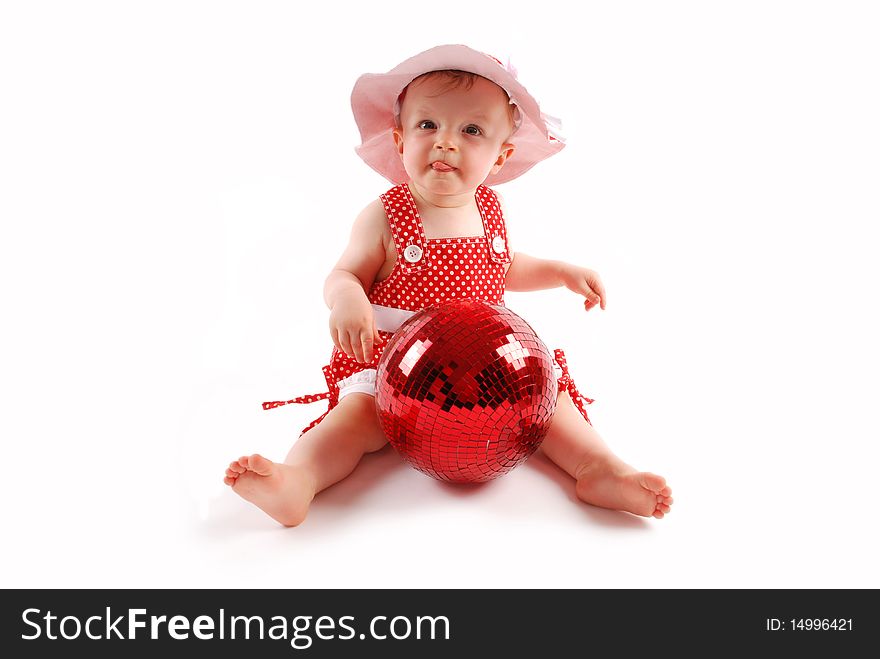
pixel 360 407
pixel 375 443
pixel 364 420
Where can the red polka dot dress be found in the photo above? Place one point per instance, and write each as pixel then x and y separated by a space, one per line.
pixel 427 272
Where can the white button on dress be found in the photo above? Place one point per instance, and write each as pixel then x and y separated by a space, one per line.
pixel 413 254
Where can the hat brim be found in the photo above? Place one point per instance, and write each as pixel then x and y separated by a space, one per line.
pixel 374 96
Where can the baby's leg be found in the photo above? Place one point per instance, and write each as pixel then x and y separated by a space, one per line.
pixel 323 456
pixel 602 478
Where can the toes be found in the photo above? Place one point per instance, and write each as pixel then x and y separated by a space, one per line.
pixel 664 501
pixel 256 463
pixel 261 465
pixel 229 481
pixel 653 482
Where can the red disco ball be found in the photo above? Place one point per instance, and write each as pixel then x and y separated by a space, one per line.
pixel 465 391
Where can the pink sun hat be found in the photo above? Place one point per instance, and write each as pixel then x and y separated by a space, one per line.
pixel 374 103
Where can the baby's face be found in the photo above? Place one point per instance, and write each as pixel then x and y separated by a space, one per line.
pixel 452 139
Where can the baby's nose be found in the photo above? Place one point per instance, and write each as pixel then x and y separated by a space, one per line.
pixel 445 142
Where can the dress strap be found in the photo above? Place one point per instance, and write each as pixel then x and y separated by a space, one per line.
pixel 406 228
pixel 332 394
pixel 565 382
pixel 493 224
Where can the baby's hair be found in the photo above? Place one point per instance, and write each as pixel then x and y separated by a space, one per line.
pixel 454 79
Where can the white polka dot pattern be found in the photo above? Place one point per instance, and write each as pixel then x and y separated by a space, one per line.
pixel 449 268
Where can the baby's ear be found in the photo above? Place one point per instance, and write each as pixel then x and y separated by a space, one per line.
pixel 397 134
pixel 506 151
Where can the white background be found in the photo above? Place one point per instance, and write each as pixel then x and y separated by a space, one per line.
pixel 177 178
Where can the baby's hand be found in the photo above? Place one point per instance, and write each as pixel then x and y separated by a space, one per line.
pixel 353 329
pixel 585 282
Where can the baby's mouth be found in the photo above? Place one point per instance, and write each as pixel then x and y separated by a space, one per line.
pixel 440 166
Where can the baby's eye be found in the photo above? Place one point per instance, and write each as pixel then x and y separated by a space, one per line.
pixel 427 125
pixel 473 130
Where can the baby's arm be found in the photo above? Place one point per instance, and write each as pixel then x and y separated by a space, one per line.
pixel 528 273
pixel 345 290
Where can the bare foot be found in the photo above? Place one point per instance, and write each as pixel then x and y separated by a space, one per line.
pixel 624 488
pixel 280 490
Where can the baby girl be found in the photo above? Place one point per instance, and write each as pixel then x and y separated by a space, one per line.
pixel 442 126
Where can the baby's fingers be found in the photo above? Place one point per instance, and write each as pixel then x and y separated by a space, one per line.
pixel 600 291
pixel 367 341
pixel 582 286
pixel 591 298
pixel 356 347
pixel 594 294
pixel 595 289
